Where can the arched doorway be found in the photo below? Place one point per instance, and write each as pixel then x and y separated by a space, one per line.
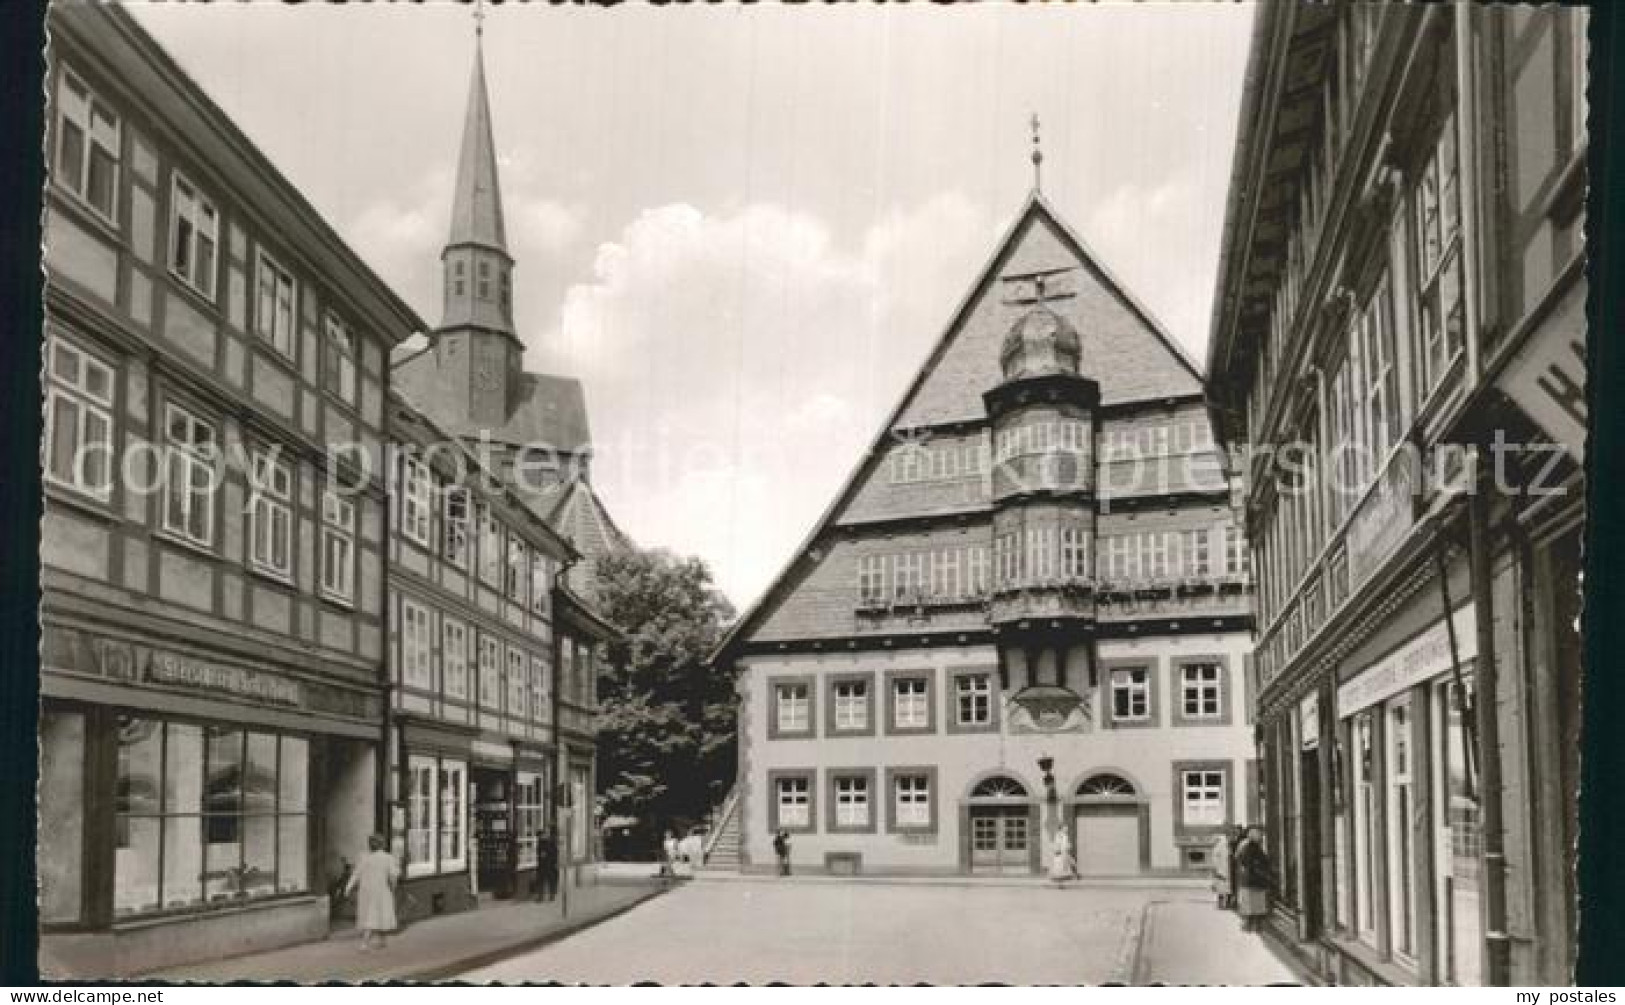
pixel 1110 829
pixel 1001 826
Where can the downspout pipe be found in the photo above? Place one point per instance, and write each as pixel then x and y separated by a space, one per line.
pixel 1492 867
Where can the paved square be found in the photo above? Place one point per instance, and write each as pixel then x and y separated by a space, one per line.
pixel 870 932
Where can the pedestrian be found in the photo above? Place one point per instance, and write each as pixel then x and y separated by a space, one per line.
pixel 375 878
pixel 547 865
pixel 1062 866
pixel 781 850
pixel 1220 856
pixel 1238 833
pixel 692 850
pixel 1254 876
pixel 668 853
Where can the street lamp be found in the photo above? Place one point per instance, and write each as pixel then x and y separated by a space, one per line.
pixel 1045 763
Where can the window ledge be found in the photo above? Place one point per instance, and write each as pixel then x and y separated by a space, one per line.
pixel 272 576
pixel 80 500
pixel 78 207
pixel 197 547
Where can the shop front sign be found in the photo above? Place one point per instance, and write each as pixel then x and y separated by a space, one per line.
pixel 1547 379
pixel 1383 519
pixel 173 668
pixel 1422 658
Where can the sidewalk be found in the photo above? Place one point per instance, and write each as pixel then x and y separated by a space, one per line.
pixel 1193 942
pixel 433 949
pixel 1172 883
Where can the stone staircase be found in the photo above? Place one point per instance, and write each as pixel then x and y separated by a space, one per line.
pixel 722 843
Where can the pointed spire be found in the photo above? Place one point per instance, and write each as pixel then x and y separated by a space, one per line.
pixel 1038 157
pixel 476 209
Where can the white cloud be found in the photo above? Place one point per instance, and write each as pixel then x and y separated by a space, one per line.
pixel 737 364
pixel 545 225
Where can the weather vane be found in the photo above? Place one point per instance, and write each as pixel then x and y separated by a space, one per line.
pixel 1038 156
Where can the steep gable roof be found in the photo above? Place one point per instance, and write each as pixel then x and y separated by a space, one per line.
pixel 547 409
pixel 1177 376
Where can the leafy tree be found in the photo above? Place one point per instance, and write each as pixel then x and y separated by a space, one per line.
pixel 666 736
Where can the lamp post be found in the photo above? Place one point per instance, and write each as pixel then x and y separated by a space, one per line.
pixel 1052 816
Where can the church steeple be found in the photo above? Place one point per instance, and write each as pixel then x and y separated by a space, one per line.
pixel 477 266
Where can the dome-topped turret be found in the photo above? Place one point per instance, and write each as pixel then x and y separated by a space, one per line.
pixel 1040 342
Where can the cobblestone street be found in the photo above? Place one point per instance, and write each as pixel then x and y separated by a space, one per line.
pixel 804 932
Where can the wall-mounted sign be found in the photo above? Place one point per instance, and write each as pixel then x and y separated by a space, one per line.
pixel 1420 659
pixel 172 668
pixel 1383 519
pixel 1547 379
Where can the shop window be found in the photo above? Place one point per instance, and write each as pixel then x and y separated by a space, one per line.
pixel 62 803
pixel 338 547
pixel 454 658
pixel 1458 838
pixel 207 815
pixel 194 239
pixel 274 304
pixel 1398 817
pixel 78 420
pixel 528 817
pixel 1366 845
pixel 88 146
pixel 456 527
pixel 421 807
pixel 189 476
pixel 453 815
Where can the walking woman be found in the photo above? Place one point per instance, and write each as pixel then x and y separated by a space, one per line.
pixel 1255 875
pixel 1062 866
pixel 375 878
pixel 1219 855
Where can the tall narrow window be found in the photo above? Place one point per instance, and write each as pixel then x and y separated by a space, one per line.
pixel 518 682
pixel 490 558
pixel 416 653
pixel 456 527
pixel 538 689
pixel 1436 223
pixel 911 703
pixel 454 658
pixel 453 813
pixel 421 805
pixel 973 694
pixel 976 563
pixel 1399 817
pixel 871 578
pixel 541 580
pixel 1378 393
pixel 912 807
pixel 514 580
pixel 338 547
pixel 791 708
pixel 271 516
pixel 490 673
pixel 415 493
pixel 1194 552
pixel 1075 553
pixel 78 420
pixel 338 367
pixel 945 574
pixel 274 304
pixel 88 146
pixel 189 476
pixel 1131 695
pixel 851 704
pixel 908 575
pixel 193 237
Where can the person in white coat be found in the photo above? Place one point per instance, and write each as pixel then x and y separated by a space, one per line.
pixel 374 879
pixel 1062 866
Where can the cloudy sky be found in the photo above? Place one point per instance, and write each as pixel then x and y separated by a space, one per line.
pixel 744 228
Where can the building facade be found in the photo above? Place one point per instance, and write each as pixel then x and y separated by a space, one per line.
pixel 1026 613
pixel 1399 337
pixel 212 548
pixel 502 570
